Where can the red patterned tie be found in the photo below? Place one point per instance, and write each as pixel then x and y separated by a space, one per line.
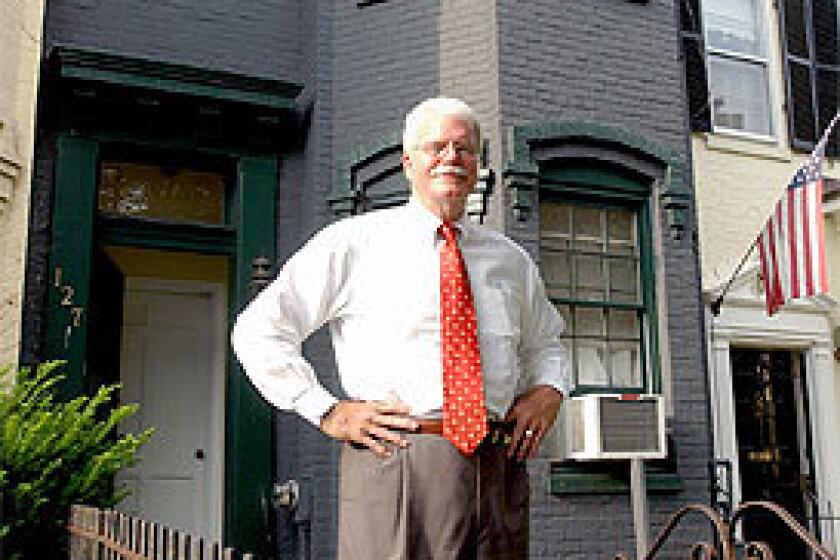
pixel 464 414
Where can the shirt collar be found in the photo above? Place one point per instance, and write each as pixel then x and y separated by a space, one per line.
pixel 427 221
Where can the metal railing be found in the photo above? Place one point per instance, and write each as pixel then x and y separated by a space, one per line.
pixel 724 547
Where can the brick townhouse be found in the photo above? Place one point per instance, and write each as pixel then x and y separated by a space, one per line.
pixel 185 149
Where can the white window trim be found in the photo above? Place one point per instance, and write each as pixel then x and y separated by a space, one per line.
pixel 770 60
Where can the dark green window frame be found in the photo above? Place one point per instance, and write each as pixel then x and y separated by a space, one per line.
pixel 602 188
pixel 591 156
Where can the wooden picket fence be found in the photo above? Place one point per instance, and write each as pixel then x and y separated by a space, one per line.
pixel 109 535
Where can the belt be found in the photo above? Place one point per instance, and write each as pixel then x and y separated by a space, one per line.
pixel 498 433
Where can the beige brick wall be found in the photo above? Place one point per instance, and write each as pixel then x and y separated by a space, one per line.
pixel 20 43
pixel 738 182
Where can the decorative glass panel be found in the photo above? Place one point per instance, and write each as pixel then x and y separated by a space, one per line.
pixel 150 191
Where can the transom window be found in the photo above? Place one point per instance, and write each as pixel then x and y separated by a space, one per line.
pixel 591 263
pixel 156 192
pixel 736 48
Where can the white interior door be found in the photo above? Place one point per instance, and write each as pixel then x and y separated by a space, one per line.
pixel 169 365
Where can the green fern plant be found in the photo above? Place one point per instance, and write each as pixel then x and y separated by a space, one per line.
pixel 54 454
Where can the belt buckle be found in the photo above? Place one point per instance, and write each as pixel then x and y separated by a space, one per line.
pixel 500 433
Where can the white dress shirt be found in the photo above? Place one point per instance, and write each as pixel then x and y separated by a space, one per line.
pixel 374 279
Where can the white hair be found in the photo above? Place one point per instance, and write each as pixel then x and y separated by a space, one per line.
pixel 440 107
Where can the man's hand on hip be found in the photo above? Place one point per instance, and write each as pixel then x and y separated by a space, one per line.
pixel 369 423
pixel 534 413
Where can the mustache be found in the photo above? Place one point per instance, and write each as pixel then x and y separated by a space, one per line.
pixel 449 169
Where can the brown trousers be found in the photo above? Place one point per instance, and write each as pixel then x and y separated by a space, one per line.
pixel 431 502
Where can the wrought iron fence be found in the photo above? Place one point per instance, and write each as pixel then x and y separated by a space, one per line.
pixel 724 545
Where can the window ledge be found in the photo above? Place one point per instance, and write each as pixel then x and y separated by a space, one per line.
pixel 609 478
pixel 730 141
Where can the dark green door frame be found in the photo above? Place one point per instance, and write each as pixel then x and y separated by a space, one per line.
pixel 249 464
pixel 249 419
pixel 71 257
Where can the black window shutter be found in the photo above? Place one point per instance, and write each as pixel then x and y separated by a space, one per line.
pixel 825 32
pixel 812 70
pixel 795 33
pixel 827 71
pixel 801 104
pixel 828 103
pixel 693 54
pixel 799 75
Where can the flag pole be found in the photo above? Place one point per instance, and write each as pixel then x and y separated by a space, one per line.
pixel 715 306
pixel 819 148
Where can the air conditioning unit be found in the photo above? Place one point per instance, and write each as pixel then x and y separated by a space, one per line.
pixel 613 426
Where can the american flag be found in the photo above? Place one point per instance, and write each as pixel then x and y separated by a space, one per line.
pixel 792 244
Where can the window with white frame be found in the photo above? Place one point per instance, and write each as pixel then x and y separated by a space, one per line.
pixel 737 57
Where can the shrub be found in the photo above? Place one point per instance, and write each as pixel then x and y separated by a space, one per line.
pixel 54 454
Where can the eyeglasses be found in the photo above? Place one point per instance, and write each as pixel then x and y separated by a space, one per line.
pixel 439 149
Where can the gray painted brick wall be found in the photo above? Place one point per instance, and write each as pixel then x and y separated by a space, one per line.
pixel 259 38
pixel 615 63
pixel 608 61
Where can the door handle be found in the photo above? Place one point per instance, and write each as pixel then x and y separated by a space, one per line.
pixel 286 495
pixel 199 454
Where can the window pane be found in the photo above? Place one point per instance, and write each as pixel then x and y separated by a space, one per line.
pixel 556 275
pixel 624 324
pixel 624 276
pixel 590 363
pixel 555 218
pixel 589 321
pixel 734 25
pixel 590 278
pixel 739 95
pixel 587 224
pixel 621 231
pixel 567 318
pixel 150 191
pixel 625 365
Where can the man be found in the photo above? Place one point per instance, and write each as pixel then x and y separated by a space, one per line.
pixel 445 343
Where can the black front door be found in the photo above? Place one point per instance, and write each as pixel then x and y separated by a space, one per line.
pixel 773 443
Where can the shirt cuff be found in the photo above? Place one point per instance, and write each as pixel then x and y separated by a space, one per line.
pixel 313 403
pixel 561 384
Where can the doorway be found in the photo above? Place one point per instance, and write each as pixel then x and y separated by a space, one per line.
pixel 171 364
pixel 159 321
pixel 170 205
pixel 774 444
